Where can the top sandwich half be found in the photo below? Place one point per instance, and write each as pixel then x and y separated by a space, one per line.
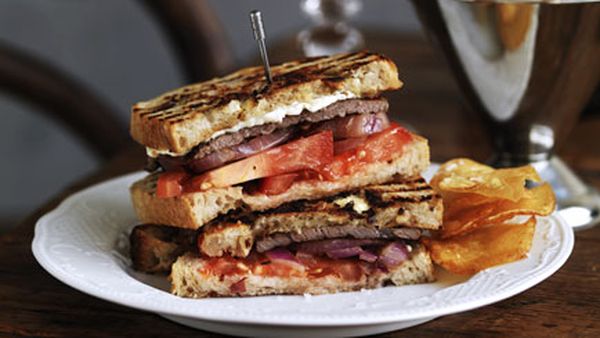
pixel 202 115
pixel 321 128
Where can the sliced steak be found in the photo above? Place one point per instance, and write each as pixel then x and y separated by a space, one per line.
pixel 313 234
pixel 338 109
pixel 273 241
pixel 407 233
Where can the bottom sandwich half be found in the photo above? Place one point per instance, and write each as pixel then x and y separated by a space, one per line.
pixel 360 239
pixel 196 277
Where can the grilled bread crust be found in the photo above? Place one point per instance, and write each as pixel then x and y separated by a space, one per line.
pixel 187 280
pixel 183 118
pixel 411 204
pixel 154 248
pixel 193 210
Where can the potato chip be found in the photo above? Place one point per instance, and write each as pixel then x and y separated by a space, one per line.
pixel 483 248
pixel 467 176
pixel 478 200
pixel 460 216
pixel 463 167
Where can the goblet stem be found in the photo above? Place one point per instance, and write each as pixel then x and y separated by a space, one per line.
pixel 578 203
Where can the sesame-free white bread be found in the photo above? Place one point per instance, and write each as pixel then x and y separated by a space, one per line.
pixel 188 280
pixel 193 210
pixel 183 118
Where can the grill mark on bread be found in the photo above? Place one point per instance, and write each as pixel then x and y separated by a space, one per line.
pixel 372 194
pixel 302 71
pixel 196 106
pixel 418 199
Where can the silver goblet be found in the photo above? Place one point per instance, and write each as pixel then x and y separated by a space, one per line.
pixel 527 68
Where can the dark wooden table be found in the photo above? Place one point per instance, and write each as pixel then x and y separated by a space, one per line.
pixel 32 303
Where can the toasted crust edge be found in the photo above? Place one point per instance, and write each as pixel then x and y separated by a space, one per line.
pixel 154 248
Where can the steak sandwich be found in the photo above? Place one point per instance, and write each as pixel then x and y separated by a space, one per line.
pixel 301 186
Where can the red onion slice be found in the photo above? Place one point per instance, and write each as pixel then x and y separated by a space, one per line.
pixel 240 151
pixel 356 125
pixel 345 253
pixel 342 146
pixel 352 252
pixel 280 254
pixel 301 255
pixel 326 245
pixel 285 257
pixel 393 254
pixel 367 256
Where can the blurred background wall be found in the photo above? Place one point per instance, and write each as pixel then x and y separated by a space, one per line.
pixel 116 48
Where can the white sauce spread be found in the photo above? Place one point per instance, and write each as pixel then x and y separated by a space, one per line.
pixel 274 116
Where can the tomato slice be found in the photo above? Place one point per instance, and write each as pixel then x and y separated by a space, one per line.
pixel 379 147
pixel 340 147
pixel 274 185
pixel 170 183
pixel 348 269
pixel 305 153
pixel 306 158
pixel 309 174
pixel 386 145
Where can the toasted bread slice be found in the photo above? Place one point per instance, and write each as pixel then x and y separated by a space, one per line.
pixel 154 248
pixel 193 210
pixel 377 211
pixel 191 277
pixel 177 121
pixel 409 203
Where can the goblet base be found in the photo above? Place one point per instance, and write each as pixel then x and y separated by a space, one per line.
pixel 577 202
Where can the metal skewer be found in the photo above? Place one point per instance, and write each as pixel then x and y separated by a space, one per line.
pixel 259 36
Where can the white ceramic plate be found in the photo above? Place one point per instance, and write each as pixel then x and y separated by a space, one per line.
pixel 84 244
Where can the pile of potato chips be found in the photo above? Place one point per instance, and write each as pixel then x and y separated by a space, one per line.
pixel 479 201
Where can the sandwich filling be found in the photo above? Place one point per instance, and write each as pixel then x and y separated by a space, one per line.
pixel 155 248
pixel 333 142
pixel 306 117
pixel 273 117
pixel 346 259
